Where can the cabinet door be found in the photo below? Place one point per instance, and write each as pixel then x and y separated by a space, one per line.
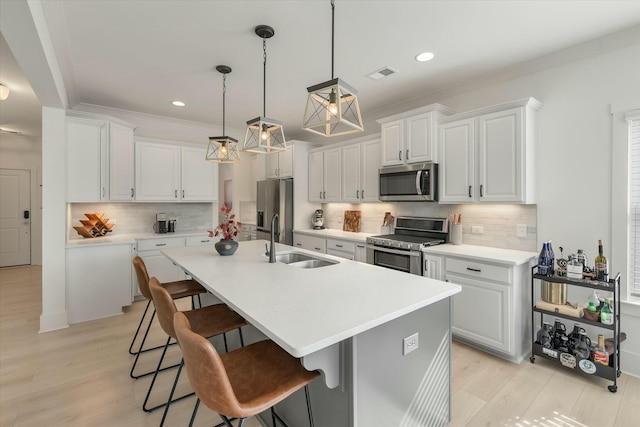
pixel 98 281
pixel 332 175
pixel 316 176
pixel 482 313
pixel 272 165
pixel 86 160
pixel 418 145
pixel 392 143
pixel 432 267
pixel 361 252
pixel 351 173
pixel 500 156
pixel 121 163
pixel 370 163
pixel 199 176
pixel 157 171
pixel 285 163
pixel 456 168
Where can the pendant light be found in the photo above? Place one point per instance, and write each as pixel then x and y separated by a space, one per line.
pixel 332 107
pixel 223 149
pixel 264 135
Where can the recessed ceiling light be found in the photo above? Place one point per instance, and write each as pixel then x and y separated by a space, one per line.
pixel 425 56
pixel 178 103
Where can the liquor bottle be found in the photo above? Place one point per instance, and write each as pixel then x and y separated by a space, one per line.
pixel 602 268
pixel 606 316
pixel 543 260
pixel 552 259
pixel 574 268
pixel 600 354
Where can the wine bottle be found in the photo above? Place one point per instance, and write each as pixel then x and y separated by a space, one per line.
pixel 602 268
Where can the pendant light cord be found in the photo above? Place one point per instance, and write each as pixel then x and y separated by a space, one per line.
pixel 224 93
pixel 264 78
pixel 333 13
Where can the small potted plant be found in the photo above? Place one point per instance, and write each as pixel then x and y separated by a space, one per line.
pixel 229 229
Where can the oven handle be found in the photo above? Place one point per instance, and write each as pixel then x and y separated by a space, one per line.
pixel 394 251
pixel 418 182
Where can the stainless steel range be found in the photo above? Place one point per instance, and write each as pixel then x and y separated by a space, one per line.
pixel 403 250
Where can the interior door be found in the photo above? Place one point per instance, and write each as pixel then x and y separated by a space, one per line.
pixel 15 214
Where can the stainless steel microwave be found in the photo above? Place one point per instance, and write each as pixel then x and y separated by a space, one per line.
pixel 417 182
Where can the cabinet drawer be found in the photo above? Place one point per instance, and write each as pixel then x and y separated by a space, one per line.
pixel 200 240
pixel 318 244
pixel 161 243
pixel 341 245
pixel 477 269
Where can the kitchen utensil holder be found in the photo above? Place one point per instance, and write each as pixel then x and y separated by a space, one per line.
pixel 456 234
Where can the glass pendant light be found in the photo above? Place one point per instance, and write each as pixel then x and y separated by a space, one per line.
pixel 264 135
pixel 332 107
pixel 223 149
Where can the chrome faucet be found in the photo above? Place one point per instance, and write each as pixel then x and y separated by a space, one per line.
pixel 275 219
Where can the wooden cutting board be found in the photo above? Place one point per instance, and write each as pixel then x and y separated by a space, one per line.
pixel 351 221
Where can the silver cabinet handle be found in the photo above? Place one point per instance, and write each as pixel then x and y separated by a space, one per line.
pixel 175 194
pixel 338 246
pixel 419 183
pixel 317 249
pixel 324 194
pixel 481 192
pixel 161 244
pixel 132 193
pixel 205 241
pixel 360 246
pixel 102 191
pixel 400 155
pixel 298 244
pixel 407 155
pixel 357 194
pixel 362 194
pixel 477 270
pixel 183 194
pixel 469 191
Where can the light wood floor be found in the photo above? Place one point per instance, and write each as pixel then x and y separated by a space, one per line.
pixel 79 376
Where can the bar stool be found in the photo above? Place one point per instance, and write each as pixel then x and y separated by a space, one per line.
pixel 207 322
pixel 241 383
pixel 178 289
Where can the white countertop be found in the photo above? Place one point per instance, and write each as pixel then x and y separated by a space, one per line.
pixel 337 234
pixel 483 253
pixel 306 310
pixel 131 238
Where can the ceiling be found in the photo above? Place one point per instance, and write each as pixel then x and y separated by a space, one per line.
pixel 142 55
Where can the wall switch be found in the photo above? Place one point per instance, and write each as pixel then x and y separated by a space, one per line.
pixel 477 229
pixel 521 230
pixel 409 344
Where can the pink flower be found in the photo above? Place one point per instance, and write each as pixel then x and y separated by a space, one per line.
pixel 229 228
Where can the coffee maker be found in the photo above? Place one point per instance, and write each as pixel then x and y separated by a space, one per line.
pixel 161 225
pixel 317 219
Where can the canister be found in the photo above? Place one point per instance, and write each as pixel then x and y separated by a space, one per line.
pixel 554 293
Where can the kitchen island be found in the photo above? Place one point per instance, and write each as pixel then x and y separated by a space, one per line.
pixel 381 338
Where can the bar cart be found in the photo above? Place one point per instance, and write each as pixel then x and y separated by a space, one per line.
pixel 584 366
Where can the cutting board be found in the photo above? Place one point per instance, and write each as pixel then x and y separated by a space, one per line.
pixel 351 221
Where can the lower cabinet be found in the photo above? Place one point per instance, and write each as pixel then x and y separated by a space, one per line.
pixel 158 265
pixel 98 281
pixel 311 243
pixel 348 249
pixel 248 232
pixel 341 248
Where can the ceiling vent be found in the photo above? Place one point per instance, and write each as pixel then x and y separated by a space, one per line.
pixel 382 73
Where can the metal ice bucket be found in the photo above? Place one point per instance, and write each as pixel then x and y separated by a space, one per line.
pixel 554 293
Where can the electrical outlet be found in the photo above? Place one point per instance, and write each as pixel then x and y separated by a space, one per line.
pixel 409 344
pixel 521 230
pixel 477 229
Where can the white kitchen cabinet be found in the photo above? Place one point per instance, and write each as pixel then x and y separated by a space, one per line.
pixel 248 232
pixel 360 164
pixel 199 177
pixel 86 144
pixel 311 243
pixel 121 163
pixel 157 171
pixel 341 248
pixel 98 281
pixel 325 175
pixel 411 137
pixel 361 252
pixel 200 240
pixel 158 265
pixel 280 164
pixel 488 155
pixel 432 267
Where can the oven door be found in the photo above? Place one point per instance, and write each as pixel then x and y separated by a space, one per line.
pixel 396 259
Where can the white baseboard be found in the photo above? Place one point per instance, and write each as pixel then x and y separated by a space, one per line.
pixel 53 321
pixel 630 363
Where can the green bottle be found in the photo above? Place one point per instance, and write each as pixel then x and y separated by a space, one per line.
pixel 602 268
pixel 606 316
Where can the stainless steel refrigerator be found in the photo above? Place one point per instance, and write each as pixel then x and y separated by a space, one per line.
pixel 275 196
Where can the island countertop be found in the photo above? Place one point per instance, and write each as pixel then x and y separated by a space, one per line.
pixel 306 310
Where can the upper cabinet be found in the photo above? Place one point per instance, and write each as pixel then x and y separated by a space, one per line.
pixel 411 137
pixel 280 164
pixel 360 164
pixel 99 160
pixel 325 175
pixel 171 172
pixel 488 155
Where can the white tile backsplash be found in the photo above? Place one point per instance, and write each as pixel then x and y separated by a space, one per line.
pixel 140 217
pixel 499 222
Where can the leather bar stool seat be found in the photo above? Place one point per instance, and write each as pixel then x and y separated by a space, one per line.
pixel 207 322
pixel 177 289
pixel 243 382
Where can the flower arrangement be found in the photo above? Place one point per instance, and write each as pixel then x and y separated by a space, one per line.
pixel 229 228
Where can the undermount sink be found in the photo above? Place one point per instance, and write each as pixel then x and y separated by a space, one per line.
pixel 300 260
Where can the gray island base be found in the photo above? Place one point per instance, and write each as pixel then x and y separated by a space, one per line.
pixel 380 338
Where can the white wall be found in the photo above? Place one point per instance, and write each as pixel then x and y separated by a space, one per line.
pixel 20 152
